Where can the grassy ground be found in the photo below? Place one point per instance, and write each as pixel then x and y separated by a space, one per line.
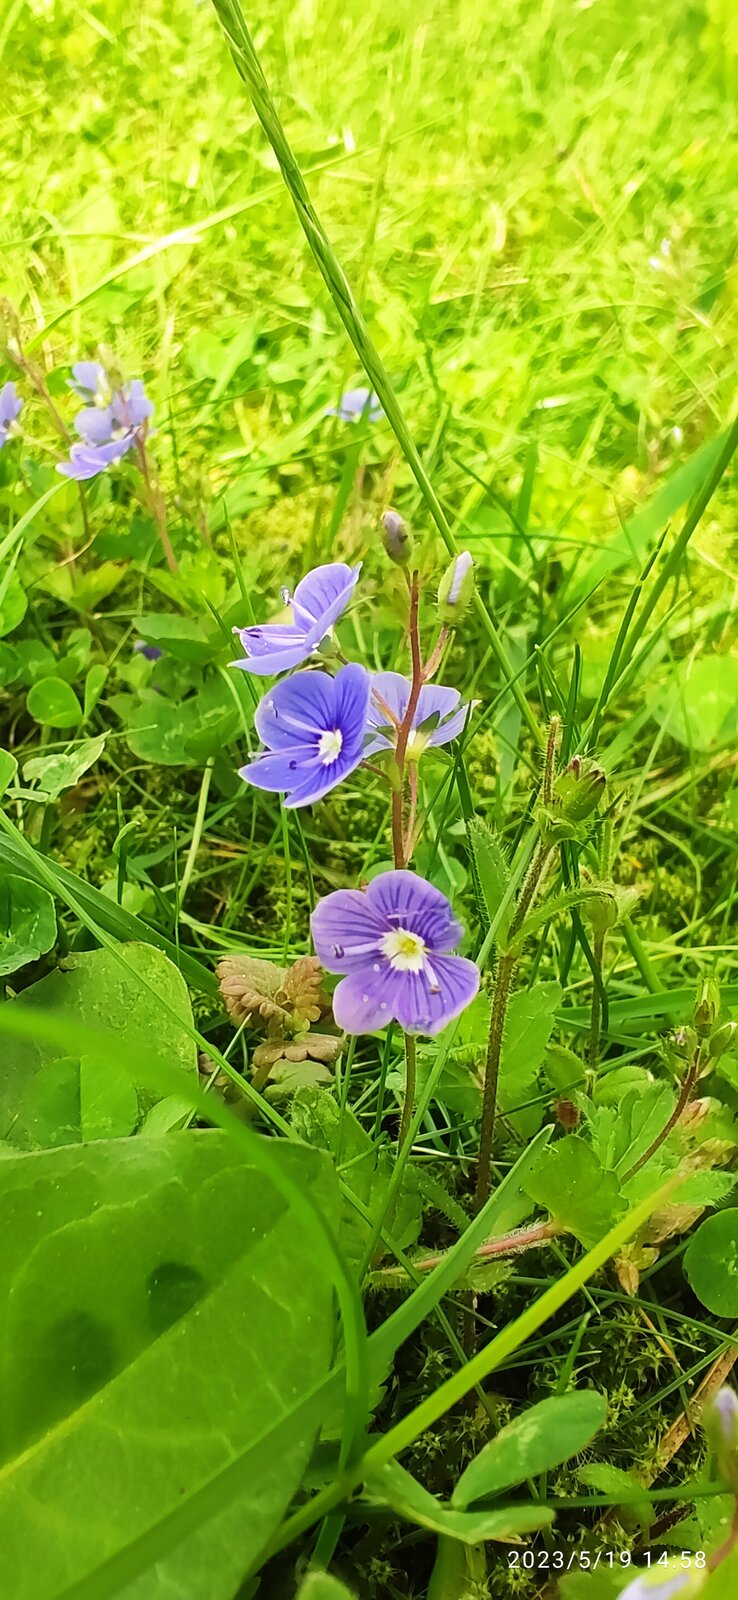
pixel 535 205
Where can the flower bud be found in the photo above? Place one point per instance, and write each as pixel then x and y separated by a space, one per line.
pixel 578 790
pixel 706 1007
pixel 397 539
pixel 723 1039
pixel 456 589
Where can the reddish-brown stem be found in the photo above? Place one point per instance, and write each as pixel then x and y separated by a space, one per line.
pixel 405 728
pixel 685 1095
pixel 508 1244
pixel 434 659
pixel 157 506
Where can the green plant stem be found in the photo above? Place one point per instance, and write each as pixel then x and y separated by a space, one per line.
pixel 504 974
pixel 157 506
pixel 195 841
pixel 410 1087
pixel 596 1013
pixel 248 66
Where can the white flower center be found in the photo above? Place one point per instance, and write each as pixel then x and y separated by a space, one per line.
pixel 330 746
pixel 405 950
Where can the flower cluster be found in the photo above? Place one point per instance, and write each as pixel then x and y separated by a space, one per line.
pixel 113 421
pixel 392 944
pixel 10 406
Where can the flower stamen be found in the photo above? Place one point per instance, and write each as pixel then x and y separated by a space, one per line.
pixel 405 951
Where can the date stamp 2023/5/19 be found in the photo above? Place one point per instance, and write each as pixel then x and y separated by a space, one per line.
pixel 585 1560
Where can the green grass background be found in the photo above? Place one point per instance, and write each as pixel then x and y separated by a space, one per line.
pixel 535 201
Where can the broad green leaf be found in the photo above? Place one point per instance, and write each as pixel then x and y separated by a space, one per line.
pixel 54 704
pixel 13 603
pixel 52 774
pixel 10 665
pixel 95 682
pixel 491 874
pixel 160 1322
pixel 571 1182
pixel 698 704
pixel 83 591
pixel 183 637
pixel 8 770
pixel 711 1263
pixel 610 1480
pixel 184 732
pixel 27 924
pixel 543 1437
pixel 323 1586
pixel 76 655
pixel 395 1487
pixel 72 1101
pixel 94 991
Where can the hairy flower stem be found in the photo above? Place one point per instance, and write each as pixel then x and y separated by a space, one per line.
pixel 508 1244
pixel 504 975
pixel 37 379
pixel 399 843
pixel 156 504
pixel 408 1107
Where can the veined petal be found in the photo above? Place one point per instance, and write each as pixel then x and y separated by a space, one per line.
pixel 95 424
pixel 366 1001
pixel 346 931
pixel 453 725
pixel 322 777
pixel 273 648
pixel 429 999
pixel 280 771
pixel 297 710
pixel 407 901
pixel 352 687
pixel 322 596
pixel 131 406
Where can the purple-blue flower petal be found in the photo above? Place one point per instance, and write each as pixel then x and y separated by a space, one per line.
pixel 297 710
pixel 273 648
pixel 347 930
pixel 355 404
pixel 131 406
pixel 406 900
pixel 94 424
pixel 86 461
pixel 10 405
pixel 313 725
pixel 88 379
pixel 323 595
pixel 392 943
pixel 392 690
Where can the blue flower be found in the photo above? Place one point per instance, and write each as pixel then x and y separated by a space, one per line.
pixel 393 944
pixel 439 715
pixel 109 431
pixel 357 405
pixel 10 406
pixel 313 727
pixel 317 603
pixel 150 652
pixel 91 382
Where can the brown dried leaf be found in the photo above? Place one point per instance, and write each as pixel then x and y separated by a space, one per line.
pixel 302 991
pixel 323 1047
pixel 250 988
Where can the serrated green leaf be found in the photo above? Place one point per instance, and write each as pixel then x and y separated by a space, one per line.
pixel 27 923
pixel 555 906
pixel 491 875
pixel 571 1182
pixel 52 774
pixel 542 1437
